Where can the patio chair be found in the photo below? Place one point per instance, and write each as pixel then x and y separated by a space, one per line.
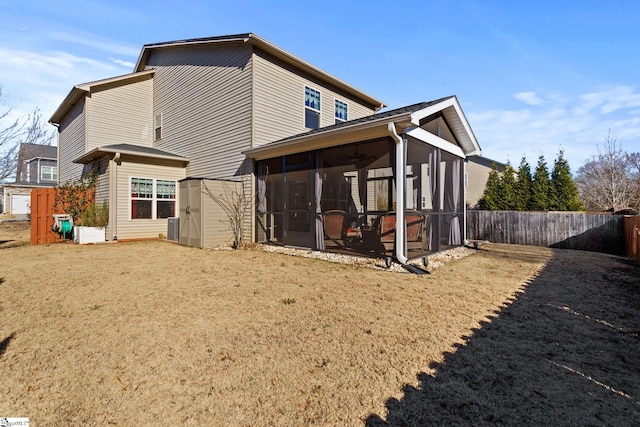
pixel 382 236
pixel 335 227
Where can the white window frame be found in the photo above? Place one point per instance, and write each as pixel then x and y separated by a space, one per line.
pixel 335 111
pixel 157 197
pixel 315 110
pixel 53 172
pixel 154 199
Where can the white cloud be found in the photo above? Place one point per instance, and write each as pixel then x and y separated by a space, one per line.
pixel 528 98
pixel 95 42
pixel 576 124
pixel 42 79
pixel 120 62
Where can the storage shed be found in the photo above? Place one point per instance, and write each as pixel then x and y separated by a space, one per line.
pixel 203 222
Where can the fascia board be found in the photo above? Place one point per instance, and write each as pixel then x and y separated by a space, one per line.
pixel 469 138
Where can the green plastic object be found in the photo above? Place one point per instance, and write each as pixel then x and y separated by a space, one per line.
pixel 65 228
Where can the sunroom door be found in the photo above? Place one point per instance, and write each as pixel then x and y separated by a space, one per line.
pixel 298 218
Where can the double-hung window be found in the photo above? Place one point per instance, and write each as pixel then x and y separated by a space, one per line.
pixel 311 108
pixel 341 111
pixel 152 198
pixel 49 173
pixel 166 198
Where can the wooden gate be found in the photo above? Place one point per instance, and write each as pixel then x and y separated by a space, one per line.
pixel 42 216
pixel 631 236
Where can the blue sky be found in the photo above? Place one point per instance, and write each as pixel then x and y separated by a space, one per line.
pixel 532 77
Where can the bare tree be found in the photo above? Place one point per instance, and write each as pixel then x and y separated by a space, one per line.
pixel 31 130
pixel 236 204
pixel 9 136
pixel 609 180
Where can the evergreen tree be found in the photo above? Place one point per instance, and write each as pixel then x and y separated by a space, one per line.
pixel 563 191
pixel 508 196
pixel 523 186
pixel 491 198
pixel 540 187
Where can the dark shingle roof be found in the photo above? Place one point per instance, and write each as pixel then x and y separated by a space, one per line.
pixel 30 151
pixel 385 114
pixel 130 149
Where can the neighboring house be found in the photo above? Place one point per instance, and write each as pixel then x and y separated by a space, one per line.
pixel 295 139
pixel 37 168
pixel 478 169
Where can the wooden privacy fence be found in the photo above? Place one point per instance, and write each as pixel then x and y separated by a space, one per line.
pixel 567 230
pixel 632 236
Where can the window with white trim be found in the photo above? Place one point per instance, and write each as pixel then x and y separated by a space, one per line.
pixel 341 111
pixel 311 108
pixel 152 198
pixel 157 126
pixel 166 198
pixel 49 173
pixel 141 198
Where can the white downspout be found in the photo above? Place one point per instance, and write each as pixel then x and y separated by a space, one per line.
pixel 400 180
pixel 113 196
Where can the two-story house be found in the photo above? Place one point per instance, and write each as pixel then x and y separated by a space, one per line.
pixel 298 140
pixel 37 167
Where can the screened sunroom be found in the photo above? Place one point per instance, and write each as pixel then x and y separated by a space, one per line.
pixel 389 185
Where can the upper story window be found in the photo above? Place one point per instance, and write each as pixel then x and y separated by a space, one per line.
pixel 341 111
pixel 49 173
pixel 311 108
pixel 157 126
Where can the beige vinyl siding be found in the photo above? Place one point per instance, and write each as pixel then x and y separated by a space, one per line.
pixel 71 143
pixel 204 96
pixel 142 228
pixel 279 101
pixel 102 185
pixel 477 176
pixel 121 114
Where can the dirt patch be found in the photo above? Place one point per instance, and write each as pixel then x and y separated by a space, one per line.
pixel 153 332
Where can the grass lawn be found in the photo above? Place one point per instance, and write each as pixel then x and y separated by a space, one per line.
pixel 152 333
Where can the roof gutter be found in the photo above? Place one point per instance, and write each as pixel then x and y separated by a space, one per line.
pixel 400 180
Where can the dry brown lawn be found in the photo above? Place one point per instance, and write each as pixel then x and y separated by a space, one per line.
pixel 152 333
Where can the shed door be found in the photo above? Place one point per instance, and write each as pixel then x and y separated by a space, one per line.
pixel 20 204
pixel 191 213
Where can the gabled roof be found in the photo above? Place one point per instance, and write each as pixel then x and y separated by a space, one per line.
pixel 130 149
pixel 81 90
pixel 375 126
pixel 268 47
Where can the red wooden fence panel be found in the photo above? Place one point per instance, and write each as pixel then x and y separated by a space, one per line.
pixel 41 216
pixel 631 234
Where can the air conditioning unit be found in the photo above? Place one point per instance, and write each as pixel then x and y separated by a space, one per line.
pixel 173 229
